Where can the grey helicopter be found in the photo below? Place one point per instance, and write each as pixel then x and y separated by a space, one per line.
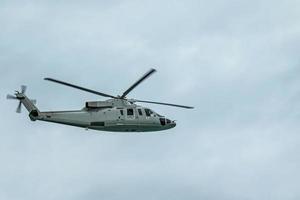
pixel 117 114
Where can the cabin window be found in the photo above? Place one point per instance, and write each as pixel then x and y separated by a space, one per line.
pixel 140 112
pixel 130 111
pixel 121 112
pixel 148 112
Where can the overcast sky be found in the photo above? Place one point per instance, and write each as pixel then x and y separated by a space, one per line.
pixel 236 61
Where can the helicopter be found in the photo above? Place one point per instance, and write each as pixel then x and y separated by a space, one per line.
pixel 116 114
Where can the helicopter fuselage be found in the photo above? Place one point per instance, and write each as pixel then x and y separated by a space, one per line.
pixel 124 117
pixel 136 119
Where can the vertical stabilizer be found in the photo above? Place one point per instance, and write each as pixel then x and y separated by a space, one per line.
pixel 29 104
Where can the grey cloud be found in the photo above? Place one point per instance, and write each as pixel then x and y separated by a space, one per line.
pixel 236 62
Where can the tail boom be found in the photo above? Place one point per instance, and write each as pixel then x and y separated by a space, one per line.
pixel 29 105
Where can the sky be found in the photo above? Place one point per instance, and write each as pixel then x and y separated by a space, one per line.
pixel 237 62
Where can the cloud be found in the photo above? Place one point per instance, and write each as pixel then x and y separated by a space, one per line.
pixel 236 62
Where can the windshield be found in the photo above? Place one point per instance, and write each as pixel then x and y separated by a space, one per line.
pixel 151 113
pixel 159 115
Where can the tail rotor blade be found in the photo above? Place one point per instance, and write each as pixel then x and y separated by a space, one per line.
pixel 19 108
pixel 9 96
pixel 23 89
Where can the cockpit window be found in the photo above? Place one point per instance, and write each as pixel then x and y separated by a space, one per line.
pixel 162 121
pixel 121 112
pixel 130 111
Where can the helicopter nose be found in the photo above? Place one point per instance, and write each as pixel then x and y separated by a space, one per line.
pixel 174 123
pixel 167 122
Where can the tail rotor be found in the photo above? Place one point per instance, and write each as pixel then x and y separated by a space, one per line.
pixel 19 96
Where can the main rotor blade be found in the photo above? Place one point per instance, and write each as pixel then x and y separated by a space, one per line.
pixel 138 82
pixel 19 107
pixel 9 96
pixel 80 88
pixel 166 104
